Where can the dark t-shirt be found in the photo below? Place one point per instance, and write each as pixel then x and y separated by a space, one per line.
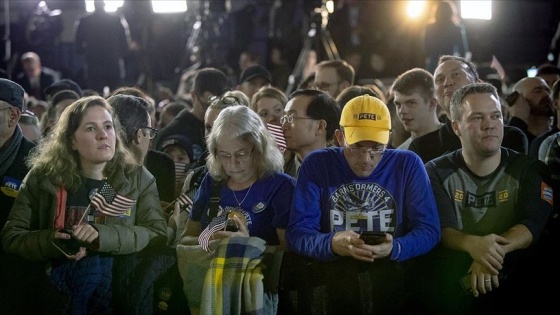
pixel 185 124
pixel 77 203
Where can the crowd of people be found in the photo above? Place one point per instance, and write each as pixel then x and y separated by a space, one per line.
pixel 101 187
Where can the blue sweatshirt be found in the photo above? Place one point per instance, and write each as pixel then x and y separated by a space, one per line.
pixel 396 198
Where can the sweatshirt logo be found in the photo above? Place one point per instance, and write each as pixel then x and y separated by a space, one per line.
pixel 362 207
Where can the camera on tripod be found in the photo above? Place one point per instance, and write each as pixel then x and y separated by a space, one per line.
pixel 318 19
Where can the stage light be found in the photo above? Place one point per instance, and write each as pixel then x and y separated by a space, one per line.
pixel 110 5
pixel 169 6
pixel 480 10
pixel 329 4
pixel 415 9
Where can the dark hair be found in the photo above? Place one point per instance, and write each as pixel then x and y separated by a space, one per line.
pixel 457 106
pixel 174 108
pixel 132 113
pixel 415 80
pixel 470 65
pixel 64 95
pixel 548 69
pixel 130 90
pixel 353 91
pixel 307 82
pixel 210 80
pixel 344 70
pixel 322 107
pixel 555 90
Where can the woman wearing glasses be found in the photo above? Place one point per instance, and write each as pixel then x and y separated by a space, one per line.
pixel 246 165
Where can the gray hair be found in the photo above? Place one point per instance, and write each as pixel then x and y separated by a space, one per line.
pixel 457 106
pixel 243 123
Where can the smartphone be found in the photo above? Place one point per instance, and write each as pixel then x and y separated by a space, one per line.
pixel 68 247
pixel 466 284
pixel 373 238
pixel 231 226
pixel 511 98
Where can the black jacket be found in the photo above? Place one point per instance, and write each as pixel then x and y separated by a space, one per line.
pixel 162 167
pixel 12 180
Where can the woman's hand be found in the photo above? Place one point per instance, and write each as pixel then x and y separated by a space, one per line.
pixel 66 237
pixel 175 218
pixel 242 232
pixel 85 233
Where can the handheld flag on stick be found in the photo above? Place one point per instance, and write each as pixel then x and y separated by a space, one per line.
pixel 107 201
pixel 184 201
pixel 218 224
pixel 278 135
pixel 495 64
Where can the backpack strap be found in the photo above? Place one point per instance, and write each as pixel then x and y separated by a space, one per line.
pixel 215 200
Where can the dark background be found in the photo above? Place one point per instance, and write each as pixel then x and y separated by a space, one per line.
pixel 519 35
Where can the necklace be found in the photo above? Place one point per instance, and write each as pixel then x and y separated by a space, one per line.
pixel 247 194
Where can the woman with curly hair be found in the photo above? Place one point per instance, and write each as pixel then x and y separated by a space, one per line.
pixel 84 201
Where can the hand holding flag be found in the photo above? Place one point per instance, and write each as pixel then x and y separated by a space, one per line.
pixel 217 224
pixel 107 201
pixel 184 201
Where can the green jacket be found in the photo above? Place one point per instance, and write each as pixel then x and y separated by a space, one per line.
pixel 29 230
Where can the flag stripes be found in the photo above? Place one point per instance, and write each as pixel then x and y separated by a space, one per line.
pixel 107 201
pixel 278 135
pixel 218 224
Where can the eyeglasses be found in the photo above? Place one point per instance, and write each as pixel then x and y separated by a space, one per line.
pixel 5 108
pixel 227 100
pixel 152 132
pixel 241 156
pixel 290 118
pixel 325 85
pixel 359 152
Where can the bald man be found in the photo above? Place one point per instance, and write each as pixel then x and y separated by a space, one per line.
pixel 533 111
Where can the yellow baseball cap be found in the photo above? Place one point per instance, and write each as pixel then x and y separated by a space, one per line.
pixel 366 118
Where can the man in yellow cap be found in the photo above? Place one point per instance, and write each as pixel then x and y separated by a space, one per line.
pixel 344 193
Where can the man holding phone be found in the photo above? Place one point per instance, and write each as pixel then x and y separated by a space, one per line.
pixel 345 192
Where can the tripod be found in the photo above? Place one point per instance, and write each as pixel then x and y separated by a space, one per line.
pixel 318 26
pixel 202 47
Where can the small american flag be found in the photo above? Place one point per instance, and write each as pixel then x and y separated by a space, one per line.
pixel 217 224
pixel 180 174
pixel 107 201
pixel 278 135
pixel 495 64
pixel 184 200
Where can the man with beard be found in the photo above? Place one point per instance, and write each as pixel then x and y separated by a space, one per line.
pixel 451 74
pixel 533 111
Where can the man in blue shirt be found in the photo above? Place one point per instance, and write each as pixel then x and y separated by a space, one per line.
pixel 360 187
